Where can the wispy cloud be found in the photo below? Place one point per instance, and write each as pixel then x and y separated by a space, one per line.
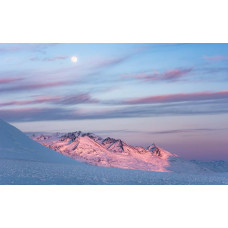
pixel 173 131
pixel 35 47
pixel 34 86
pixel 49 59
pixel 169 75
pixel 33 114
pixel 82 98
pixel 110 62
pixel 181 131
pixel 9 80
pixel 77 99
pixel 215 58
pixel 178 97
pixel 212 70
pixel 134 111
pixel 39 100
pixel 10 48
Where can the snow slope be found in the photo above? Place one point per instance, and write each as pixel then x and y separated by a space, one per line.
pixel 16 145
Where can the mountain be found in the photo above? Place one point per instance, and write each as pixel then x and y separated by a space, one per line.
pixel 110 152
pixel 16 145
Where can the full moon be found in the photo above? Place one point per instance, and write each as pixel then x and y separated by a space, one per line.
pixel 74 59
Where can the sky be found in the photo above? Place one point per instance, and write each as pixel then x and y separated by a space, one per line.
pixel 173 95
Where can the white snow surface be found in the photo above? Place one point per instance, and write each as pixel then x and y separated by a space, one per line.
pixel 24 161
pixel 31 172
pixel 16 145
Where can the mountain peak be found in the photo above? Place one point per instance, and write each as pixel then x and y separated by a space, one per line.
pixel 117 146
pixel 155 150
pixel 108 141
pixel 72 136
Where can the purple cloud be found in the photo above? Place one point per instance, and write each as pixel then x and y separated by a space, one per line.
pixel 9 80
pixel 135 111
pixel 169 75
pixel 178 97
pixel 82 98
pixel 34 86
pixel 33 114
pixel 62 113
pixel 77 99
pixel 30 102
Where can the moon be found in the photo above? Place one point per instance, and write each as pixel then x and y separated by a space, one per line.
pixel 74 59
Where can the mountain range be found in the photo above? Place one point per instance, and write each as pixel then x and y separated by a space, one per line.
pixel 110 152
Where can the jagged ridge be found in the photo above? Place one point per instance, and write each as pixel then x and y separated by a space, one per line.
pixel 110 152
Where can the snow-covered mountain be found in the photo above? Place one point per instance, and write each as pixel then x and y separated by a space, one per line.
pixel 110 152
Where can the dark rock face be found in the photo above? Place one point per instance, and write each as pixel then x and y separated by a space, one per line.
pixel 114 145
pixel 117 146
pixel 43 137
pixel 71 136
pixel 92 136
pixel 155 150
pixel 74 135
pixel 108 141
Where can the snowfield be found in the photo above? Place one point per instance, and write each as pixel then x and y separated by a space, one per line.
pixel 24 161
pixel 28 172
